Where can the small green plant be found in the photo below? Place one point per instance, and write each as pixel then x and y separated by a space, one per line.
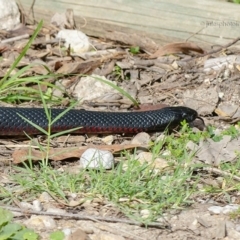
pixel 14 88
pixel 134 50
pixel 236 1
pixel 117 72
pixel 119 75
pixel 14 231
pixel 235 215
pixel 48 133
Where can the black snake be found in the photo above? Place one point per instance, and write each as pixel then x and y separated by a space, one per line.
pixel 11 122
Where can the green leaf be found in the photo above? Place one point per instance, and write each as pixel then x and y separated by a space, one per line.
pixel 25 234
pixel 58 235
pixel 6 216
pixel 134 50
pixel 5 236
pixel 11 228
pixel 30 235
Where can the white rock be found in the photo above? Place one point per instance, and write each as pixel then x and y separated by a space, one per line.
pixel 141 139
pixel 67 231
pixel 85 90
pixel 26 205
pixel 230 208
pixel 41 222
pixel 215 209
pixel 73 195
pixel 225 210
pixel 37 206
pixel 9 14
pixel 95 158
pixel 45 197
pixel 220 62
pixel 77 40
pixel 49 222
pixel 145 213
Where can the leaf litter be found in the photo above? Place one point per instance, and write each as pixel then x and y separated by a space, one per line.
pixel 214 153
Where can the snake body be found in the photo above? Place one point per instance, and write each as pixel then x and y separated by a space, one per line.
pixel 11 122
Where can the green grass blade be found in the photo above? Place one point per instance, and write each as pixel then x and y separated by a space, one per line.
pixel 34 125
pixel 64 112
pixel 23 52
pixel 64 132
pixel 124 93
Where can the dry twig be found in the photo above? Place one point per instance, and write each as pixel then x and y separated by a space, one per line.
pixel 221 173
pixel 86 217
pixel 214 51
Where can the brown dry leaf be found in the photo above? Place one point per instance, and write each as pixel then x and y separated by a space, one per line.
pixel 58 65
pixel 204 100
pixel 172 48
pixel 221 113
pixel 59 154
pixel 148 107
pixel 21 30
pixel 3 48
pixel 215 153
pixel 226 109
pixel 39 69
pixel 85 67
pixel 133 40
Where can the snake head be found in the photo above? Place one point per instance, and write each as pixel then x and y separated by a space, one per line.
pixel 188 114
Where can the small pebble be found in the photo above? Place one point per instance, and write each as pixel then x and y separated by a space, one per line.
pixel 67 231
pixel 145 213
pixel 142 139
pixel 26 205
pixel 215 209
pixel 41 222
pixel 45 197
pixel 37 206
pixel 230 208
pixel 225 210
pixel 108 139
pixel 76 39
pixel 73 195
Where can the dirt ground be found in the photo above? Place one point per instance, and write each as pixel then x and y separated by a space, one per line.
pixel 195 222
